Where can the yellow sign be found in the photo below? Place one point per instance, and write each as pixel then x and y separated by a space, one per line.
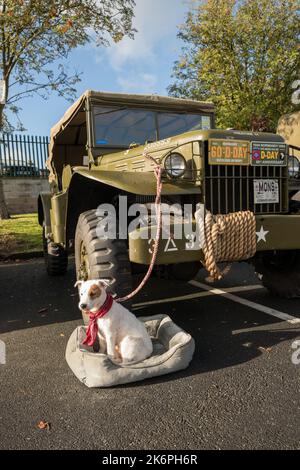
pixel 268 153
pixel 228 152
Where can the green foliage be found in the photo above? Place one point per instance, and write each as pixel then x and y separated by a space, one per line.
pixel 244 56
pixel 36 37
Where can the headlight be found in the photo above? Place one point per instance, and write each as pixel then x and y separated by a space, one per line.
pixel 294 167
pixel 175 165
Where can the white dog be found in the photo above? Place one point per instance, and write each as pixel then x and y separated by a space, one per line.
pixel 121 335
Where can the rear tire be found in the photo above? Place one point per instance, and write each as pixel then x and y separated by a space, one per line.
pixel 280 273
pixel 100 258
pixel 55 256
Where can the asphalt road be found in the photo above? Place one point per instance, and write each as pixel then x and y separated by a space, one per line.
pixel 241 390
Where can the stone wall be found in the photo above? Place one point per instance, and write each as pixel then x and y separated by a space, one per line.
pixel 21 193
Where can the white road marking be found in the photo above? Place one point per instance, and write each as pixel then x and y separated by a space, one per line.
pixel 195 295
pixel 262 308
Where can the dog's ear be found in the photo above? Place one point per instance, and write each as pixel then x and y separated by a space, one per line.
pixel 103 283
pixel 78 283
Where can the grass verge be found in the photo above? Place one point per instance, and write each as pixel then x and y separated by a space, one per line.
pixel 20 234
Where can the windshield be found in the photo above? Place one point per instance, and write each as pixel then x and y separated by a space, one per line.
pixel 122 126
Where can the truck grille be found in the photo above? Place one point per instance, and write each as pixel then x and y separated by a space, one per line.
pixel 231 188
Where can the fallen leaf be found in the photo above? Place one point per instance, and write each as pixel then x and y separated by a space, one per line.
pixel 42 310
pixel 262 349
pixel 44 425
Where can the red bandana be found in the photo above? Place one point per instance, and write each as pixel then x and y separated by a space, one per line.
pixel 92 330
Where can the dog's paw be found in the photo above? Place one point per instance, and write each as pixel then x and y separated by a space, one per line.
pixel 115 359
pixel 118 360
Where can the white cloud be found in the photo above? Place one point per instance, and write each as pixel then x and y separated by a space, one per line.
pixel 142 82
pixel 154 20
pixel 135 61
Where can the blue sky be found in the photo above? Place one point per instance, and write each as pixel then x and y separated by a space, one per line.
pixel 142 65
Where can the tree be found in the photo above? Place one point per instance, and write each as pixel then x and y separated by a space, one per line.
pixel 243 55
pixel 4 214
pixel 36 37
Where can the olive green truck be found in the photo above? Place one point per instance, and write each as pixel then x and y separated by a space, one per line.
pixel 97 154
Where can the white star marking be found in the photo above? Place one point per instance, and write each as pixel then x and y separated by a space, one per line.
pixel 262 234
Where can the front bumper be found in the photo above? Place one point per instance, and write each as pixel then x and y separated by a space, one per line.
pixel 274 232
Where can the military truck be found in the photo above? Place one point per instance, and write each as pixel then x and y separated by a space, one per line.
pixel 289 129
pixel 97 153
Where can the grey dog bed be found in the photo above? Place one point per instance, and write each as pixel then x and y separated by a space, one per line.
pixel 173 350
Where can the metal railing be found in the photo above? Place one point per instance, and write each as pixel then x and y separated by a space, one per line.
pixel 23 155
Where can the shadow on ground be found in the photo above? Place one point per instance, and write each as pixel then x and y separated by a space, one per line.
pixel 29 297
pixel 226 333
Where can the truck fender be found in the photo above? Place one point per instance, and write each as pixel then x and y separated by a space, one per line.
pixel 128 182
pixel 44 206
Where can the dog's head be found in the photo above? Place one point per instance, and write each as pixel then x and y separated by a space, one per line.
pixel 91 294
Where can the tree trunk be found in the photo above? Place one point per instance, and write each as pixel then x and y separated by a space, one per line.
pixel 1 117
pixel 4 214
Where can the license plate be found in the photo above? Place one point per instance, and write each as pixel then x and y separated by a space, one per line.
pixel 228 152
pixel 268 154
pixel 266 191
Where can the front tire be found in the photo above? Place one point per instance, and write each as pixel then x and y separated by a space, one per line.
pixel 280 273
pixel 100 258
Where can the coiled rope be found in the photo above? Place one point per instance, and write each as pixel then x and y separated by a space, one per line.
pixel 230 237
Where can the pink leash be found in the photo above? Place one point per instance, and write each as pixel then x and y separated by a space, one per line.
pixel 157 173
